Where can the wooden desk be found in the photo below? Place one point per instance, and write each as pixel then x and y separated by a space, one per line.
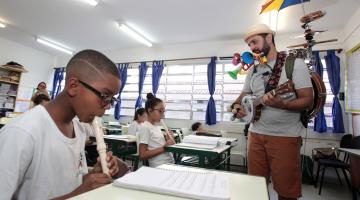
pixel 202 153
pixel 354 168
pixel 242 187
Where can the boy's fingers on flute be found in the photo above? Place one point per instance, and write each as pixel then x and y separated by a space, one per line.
pixel 109 154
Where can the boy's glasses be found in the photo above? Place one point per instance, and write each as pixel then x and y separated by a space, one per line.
pixel 105 99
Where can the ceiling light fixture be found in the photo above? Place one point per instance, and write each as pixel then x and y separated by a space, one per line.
pixel 134 34
pixel 91 2
pixel 54 45
pixel 2 25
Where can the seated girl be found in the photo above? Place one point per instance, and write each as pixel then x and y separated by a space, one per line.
pixel 152 139
pixel 139 118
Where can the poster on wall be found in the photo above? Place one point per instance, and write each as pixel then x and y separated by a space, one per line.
pixel 352 89
pixel 23 100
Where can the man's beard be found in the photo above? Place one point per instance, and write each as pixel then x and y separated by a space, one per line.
pixel 265 50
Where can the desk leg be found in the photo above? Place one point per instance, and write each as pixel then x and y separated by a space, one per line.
pixel 228 159
pixel 355 174
pixel 201 161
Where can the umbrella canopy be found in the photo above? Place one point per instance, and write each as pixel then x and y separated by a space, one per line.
pixel 279 4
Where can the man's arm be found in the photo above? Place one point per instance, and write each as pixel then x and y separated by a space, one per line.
pixel 304 100
pixel 241 96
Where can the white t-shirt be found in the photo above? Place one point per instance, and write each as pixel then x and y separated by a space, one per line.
pixel 154 138
pixel 37 160
pixel 134 128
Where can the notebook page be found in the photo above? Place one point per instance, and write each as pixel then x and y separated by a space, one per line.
pixel 201 140
pixel 196 185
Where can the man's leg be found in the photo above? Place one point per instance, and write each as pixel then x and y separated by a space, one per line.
pixel 257 159
pixel 284 160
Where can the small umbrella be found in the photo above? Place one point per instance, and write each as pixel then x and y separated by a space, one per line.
pixel 279 4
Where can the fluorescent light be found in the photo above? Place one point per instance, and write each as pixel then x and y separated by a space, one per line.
pixel 2 25
pixel 54 45
pixel 134 34
pixel 91 2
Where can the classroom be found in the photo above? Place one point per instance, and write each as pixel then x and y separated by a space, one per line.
pixel 134 99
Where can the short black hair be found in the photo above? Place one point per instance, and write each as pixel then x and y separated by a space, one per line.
pixel 195 126
pixel 151 102
pixel 89 64
pixel 41 83
pixel 40 98
pixel 139 112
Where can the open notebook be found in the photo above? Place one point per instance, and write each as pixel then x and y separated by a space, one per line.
pixel 196 185
pixel 204 142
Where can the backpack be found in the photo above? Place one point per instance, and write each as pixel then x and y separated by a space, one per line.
pixel 318 88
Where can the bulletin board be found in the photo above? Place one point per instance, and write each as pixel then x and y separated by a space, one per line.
pixel 352 80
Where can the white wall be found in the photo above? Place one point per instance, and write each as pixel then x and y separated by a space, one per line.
pixel 39 64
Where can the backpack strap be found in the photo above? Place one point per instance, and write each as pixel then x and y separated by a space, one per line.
pixel 289 66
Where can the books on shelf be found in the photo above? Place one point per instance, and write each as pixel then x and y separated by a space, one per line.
pixel 204 185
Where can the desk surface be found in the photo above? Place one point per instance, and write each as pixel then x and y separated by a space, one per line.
pixel 355 152
pixel 242 187
pixel 126 138
pixel 216 150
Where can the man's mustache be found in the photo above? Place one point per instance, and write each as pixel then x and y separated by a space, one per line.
pixel 256 51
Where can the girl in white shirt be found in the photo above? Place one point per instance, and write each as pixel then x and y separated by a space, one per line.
pixel 139 118
pixel 152 139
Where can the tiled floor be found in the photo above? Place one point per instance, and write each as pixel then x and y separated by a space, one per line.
pixel 332 190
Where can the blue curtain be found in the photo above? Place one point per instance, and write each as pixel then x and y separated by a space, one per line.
pixel 158 67
pixel 210 117
pixel 123 77
pixel 333 69
pixel 58 77
pixel 142 73
pixel 320 120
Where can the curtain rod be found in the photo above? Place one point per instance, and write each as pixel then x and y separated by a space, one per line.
pixel 324 50
pixel 177 59
pixel 197 58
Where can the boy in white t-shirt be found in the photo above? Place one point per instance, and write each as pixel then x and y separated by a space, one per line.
pixel 42 151
pixel 152 139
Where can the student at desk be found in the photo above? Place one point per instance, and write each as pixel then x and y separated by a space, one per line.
pixel 139 118
pixel 42 151
pixel 198 129
pixel 152 139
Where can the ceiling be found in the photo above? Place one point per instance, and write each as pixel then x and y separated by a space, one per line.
pixel 78 25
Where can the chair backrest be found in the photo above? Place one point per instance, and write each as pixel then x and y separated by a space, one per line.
pixel 355 144
pixel 346 141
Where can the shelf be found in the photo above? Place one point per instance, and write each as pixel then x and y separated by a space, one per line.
pixel 11 82
pixel 10 95
pixel 13 68
pixel 7 108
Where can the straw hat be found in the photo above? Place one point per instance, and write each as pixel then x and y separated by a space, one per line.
pixel 257 29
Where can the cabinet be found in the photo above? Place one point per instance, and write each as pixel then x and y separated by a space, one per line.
pixel 10 76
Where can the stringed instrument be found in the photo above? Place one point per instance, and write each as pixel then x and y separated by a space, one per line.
pixel 252 104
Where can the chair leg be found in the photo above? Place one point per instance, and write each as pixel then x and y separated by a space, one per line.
pixel 346 179
pixel 354 193
pixel 337 173
pixel 317 174
pixel 322 180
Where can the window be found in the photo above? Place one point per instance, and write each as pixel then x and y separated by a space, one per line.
pixel 185 91
pixel 329 99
